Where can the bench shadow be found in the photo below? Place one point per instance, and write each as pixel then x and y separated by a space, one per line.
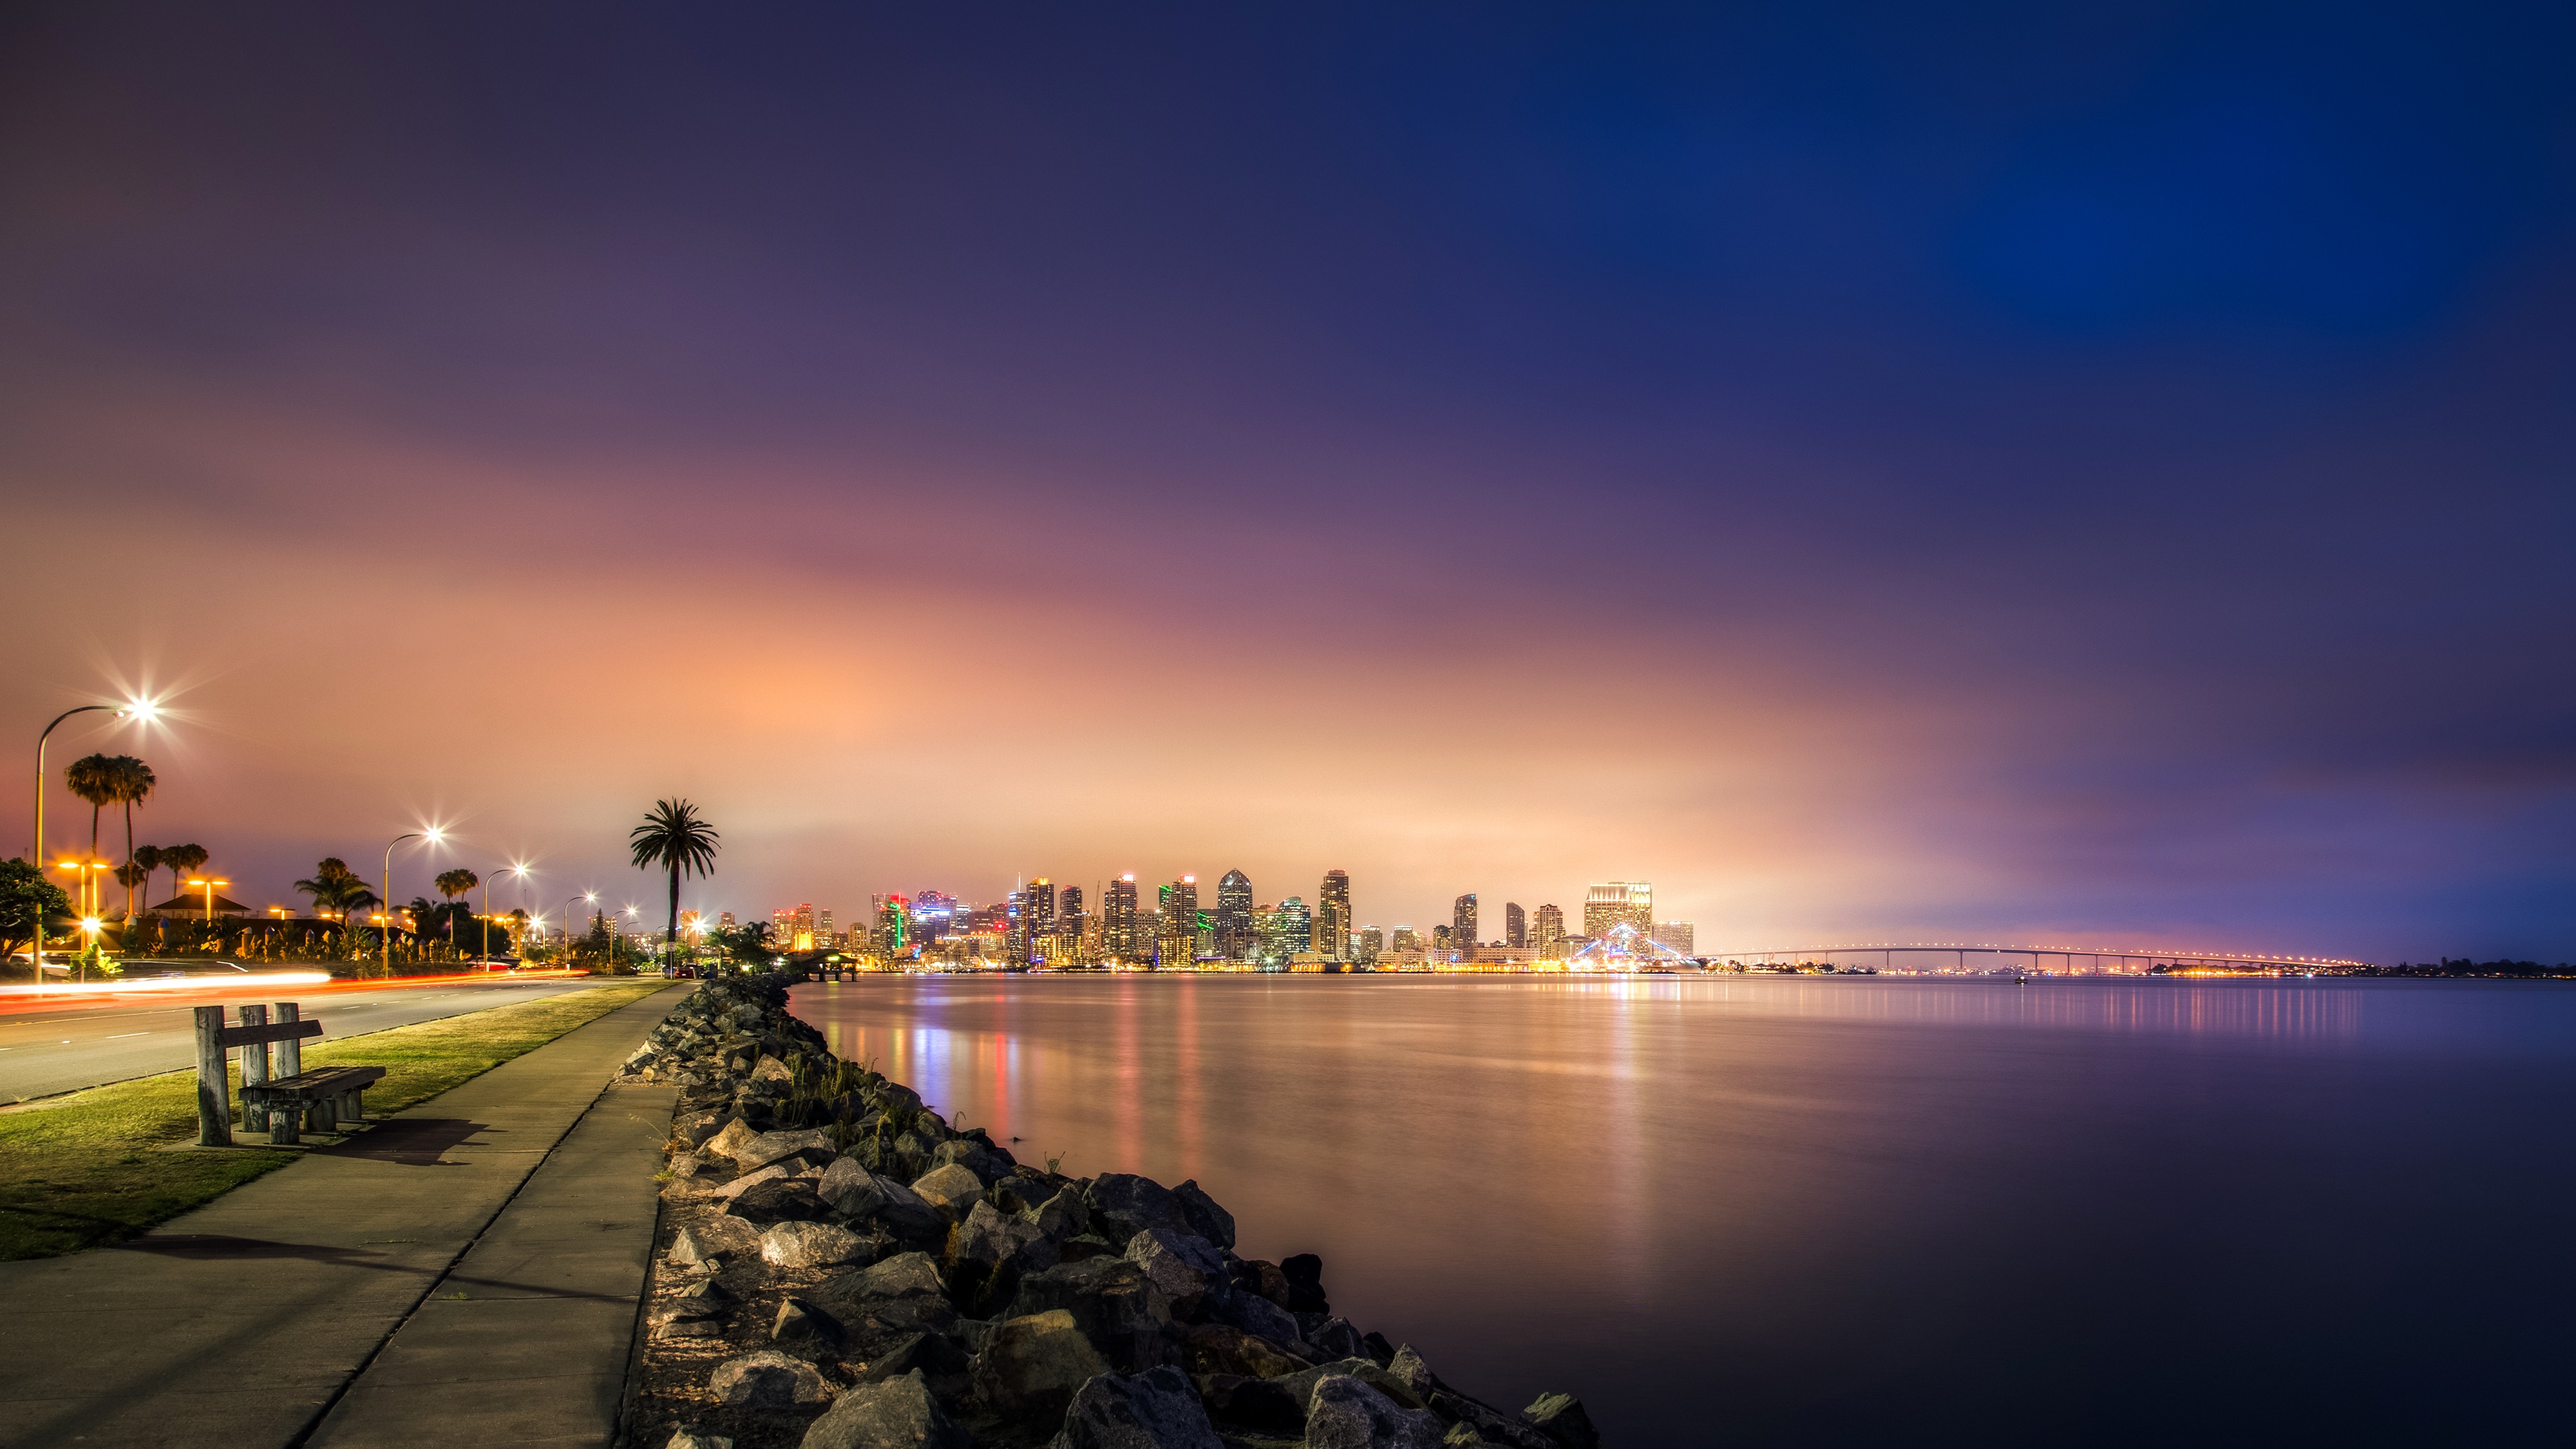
pixel 224 1246
pixel 409 1141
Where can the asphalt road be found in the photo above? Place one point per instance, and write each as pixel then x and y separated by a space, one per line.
pixel 62 1048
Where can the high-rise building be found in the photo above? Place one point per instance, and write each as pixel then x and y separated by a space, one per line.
pixel 1333 915
pixel 823 925
pixel 1181 905
pixel 1616 903
pixel 1068 911
pixel 933 915
pixel 1405 939
pixel 724 920
pixel 1675 934
pixel 1547 929
pixel 1462 923
pixel 1041 904
pixel 1118 919
pixel 1372 945
pixel 1233 920
pixel 1515 925
pixel 1439 940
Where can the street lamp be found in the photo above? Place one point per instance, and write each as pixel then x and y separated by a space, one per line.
pixel 521 872
pixel 210 896
pixel 140 709
pixel 590 896
pixel 433 835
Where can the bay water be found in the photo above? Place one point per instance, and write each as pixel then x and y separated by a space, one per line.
pixel 1753 1210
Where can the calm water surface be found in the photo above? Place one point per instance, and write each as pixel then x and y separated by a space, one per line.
pixel 1820 1211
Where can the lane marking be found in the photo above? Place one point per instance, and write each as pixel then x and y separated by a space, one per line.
pixel 122 1035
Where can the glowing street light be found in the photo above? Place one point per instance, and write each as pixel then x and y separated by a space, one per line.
pixel 209 886
pixel 139 710
pixel 433 835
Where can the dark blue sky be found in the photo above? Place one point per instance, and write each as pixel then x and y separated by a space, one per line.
pixel 1997 468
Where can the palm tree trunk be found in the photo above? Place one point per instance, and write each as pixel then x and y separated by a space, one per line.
pixel 129 860
pixel 671 935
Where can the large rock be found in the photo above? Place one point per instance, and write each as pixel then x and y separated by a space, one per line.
pixel 903 1294
pixel 789 1199
pixel 1215 1348
pixel 1184 1265
pixel 773 1147
pixel 1258 1405
pixel 989 1164
pixel 806 1246
pixel 1156 1409
pixel 893 1413
pixel 861 1195
pixel 691 1439
pixel 1032 1365
pixel 728 1142
pixel 1561 1418
pixel 1345 1413
pixel 1338 1338
pixel 750 1180
pixel 1262 1319
pixel 951 1188
pixel 1409 1370
pixel 1490 1426
pixel 1062 1215
pixel 732 1237
pixel 767 1380
pixel 934 1355
pixel 1305 1275
pixel 990 1238
pixel 1206 1217
pixel 1302 1383
pixel 800 1324
pixel 1116 1306
pixel 1123 1205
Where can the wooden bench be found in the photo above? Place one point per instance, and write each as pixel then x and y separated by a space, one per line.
pixel 321 1099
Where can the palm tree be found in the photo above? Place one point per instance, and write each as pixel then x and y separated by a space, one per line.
pixel 451 884
pixel 179 860
pixel 133 780
pixel 93 778
pixel 674 838
pixel 335 887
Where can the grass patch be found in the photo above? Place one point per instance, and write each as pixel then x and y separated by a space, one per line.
pixel 88 1168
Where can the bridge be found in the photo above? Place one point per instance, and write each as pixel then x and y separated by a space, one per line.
pixel 2097 960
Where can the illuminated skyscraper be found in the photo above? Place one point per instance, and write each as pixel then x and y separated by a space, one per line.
pixel 1515 925
pixel 1234 915
pixel 1180 939
pixel 1372 945
pixel 1676 934
pixel 1462 923
pixel 1068 911
pixel 1118 919
pixel 1547 930
pixel 1619 902
pixel 1041 905
pixel 1333 915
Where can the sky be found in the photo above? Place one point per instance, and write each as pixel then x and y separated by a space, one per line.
pixel 2090 474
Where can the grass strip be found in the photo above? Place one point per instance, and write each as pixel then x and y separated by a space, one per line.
pixel 88 1168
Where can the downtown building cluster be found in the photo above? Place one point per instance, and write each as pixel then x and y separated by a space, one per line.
pixel 1116 924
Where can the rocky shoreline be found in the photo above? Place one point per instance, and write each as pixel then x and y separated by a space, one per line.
pixel 839 1268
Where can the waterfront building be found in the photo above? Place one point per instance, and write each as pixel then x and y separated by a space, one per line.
pixel 1372 945
pixel 1040 904
pixel 1547 931
pixel 933 915
pixel 1617 903
pixel 1068 911
pixel 1515 925
pixel 1405 939
pixel 1118 918
pixel 1440 936
pixel 1674 934
pixel 1233 917
pixel 1180 904
pixel 1332 934
pixel 1462 923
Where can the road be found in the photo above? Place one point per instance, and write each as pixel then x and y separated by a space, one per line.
pixel 64 1046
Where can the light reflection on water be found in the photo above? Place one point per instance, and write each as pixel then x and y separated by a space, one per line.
pixel 1827 1202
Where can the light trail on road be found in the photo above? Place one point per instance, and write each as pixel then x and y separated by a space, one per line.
pixel 118 1038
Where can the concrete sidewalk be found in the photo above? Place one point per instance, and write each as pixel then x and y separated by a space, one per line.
pixel 242 1323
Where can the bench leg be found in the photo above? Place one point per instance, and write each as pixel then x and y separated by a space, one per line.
pixel 348 1109
pixel 318 1116
pixel 282 1122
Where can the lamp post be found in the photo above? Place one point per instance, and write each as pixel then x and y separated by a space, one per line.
pixel 590 896
pixel 521 872
pixel 433 835
pixel 141 709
